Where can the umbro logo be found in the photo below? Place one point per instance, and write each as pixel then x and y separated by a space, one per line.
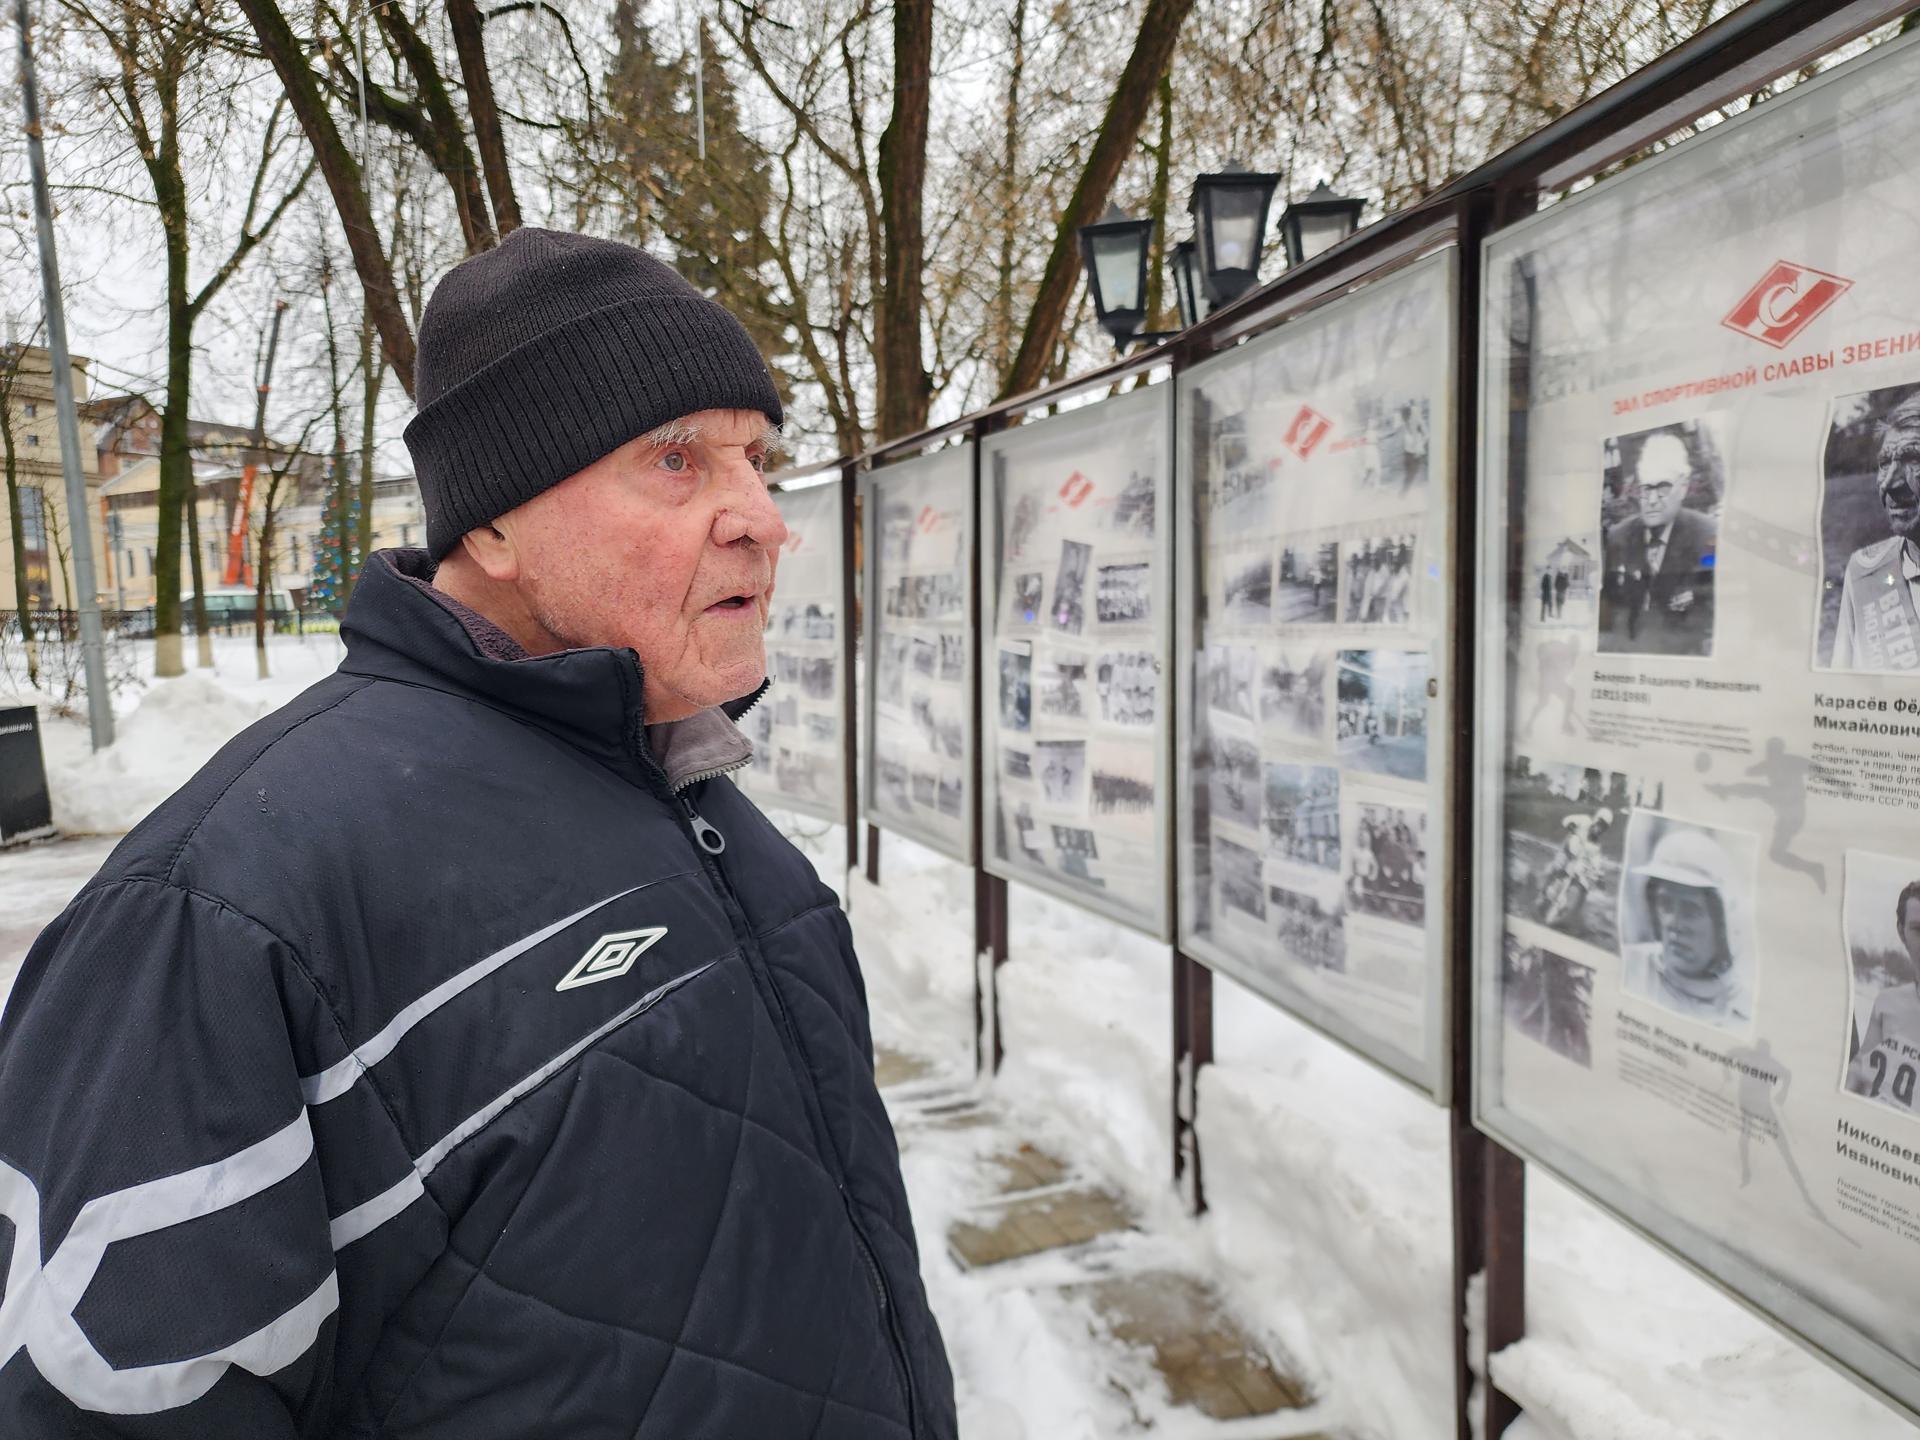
pixel 611 956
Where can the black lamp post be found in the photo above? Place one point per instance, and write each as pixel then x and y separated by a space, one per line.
pixel 1186 284
pixel 1318 223
pixel 1114 250
pixel 1230 217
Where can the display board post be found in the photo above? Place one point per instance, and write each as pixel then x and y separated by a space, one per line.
pixel 849 659
pixel 873 854
pixel 989 891
pixel 1192 1048
pixel 1489 1182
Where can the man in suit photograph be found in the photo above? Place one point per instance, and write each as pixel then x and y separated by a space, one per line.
pixel 1657 596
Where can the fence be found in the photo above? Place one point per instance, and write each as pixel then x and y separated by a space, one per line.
pixel 1474 554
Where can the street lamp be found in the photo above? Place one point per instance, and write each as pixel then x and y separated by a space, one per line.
pixel 1230 217
pixel 1318 223
pixel 1186 285
pixel 1114 250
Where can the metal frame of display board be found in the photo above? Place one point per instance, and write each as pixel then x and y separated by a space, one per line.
pixel 781 482
pixel 876 479
pixel 1063 423
pixel 1878 1370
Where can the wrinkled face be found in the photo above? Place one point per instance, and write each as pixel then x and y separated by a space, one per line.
pixel 1688 929
pixel 1910 933
pixel 1664 474
pixel 666 547
pixel 1899 476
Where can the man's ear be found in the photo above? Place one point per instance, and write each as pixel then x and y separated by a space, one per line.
pixel 491 548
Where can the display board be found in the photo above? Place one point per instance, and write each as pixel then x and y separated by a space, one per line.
pixel 1698 919
pixel 1073 712
pixel 919 751
pixel 1316 610
pixel 799 727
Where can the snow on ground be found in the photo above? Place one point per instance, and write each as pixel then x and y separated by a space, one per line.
pixel 1328 1181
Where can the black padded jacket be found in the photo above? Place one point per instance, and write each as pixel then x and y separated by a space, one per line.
pixel 429 1067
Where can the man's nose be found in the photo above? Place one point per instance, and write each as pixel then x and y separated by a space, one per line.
pixel 749 512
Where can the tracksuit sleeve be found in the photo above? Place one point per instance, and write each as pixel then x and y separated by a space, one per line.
pixel 170 1273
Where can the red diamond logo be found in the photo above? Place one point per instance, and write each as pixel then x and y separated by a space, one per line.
pixel 929 517
pixel 1306 432
pixel 1788 298
pixel 1076 489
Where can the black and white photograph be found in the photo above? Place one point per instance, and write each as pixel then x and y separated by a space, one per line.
pixel 1236 870
pixel 816 676
pixel 1063 771
pixel 1028 595
pixel 822 728
pixel 1377 583
pixel 1293 694
pixel 1239 487
pixel 1233 781
pixel 1024 518
pixel 1229 678
pixel 1661 493
pixel 786 712
pixel 1069 611
pixel 1303 814
pixel 1381 722
pixel 1566 828
pixel 1870 534
pixel 1307 584
pixel 925 786
pixel 1247 588
pixel 1399 433
pixel 953 657
pixel 1118 792
pixel 1126 682
pixel 1123 594
pixel 890 685
pixel 949 796
pixel 1026 833
pixel 950 735
pixel 804 774
pixel 1132 512
pixel 1016 764
pixel 1016 689
pixel 811 621
pixel 1687 938
pixel 1563 582
pixel 1386 862
pixel 1062 684
pixel 894 790
pixel 1310 932
pixel 1882 910
pixel 1075 846
pixel 926 657
pixel 1549 999
pixel 897 519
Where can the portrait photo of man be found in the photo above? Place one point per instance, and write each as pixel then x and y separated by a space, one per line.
pixel 1686 923
pixel 1883 946
pixel 1656 595
pixel 1870 513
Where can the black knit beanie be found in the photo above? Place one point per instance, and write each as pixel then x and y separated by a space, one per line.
pixel 550 351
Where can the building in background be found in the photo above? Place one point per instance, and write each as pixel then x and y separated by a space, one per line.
pixel 26 377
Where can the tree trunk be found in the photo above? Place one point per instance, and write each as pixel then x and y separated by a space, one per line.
pixel 1126 112
pixel 263 579
pixel 176 460
pixel 344 180
pixel 1157 207
pixel 203 638
pixel 464 19
pixel 447 140
pixel 904 387
pixel 369 400
pixel 1009 195
pixel 22 596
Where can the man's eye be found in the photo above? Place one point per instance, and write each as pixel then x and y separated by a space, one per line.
pixel 759 462
pixel 674 460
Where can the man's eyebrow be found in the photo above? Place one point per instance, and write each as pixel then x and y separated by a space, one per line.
pixel 688 432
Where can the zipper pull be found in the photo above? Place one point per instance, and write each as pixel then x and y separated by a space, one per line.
pixel 705 834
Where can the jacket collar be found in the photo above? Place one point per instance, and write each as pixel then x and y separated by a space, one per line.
pixel 397 627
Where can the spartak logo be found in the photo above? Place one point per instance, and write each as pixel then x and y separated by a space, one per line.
pixel 1076 489
pixel 1788 298
pixel 1306 432
pixel 929 517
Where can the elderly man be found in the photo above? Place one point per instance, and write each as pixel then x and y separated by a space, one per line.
pixel 1657 598
pixel 458 1054
pixel 1879 628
